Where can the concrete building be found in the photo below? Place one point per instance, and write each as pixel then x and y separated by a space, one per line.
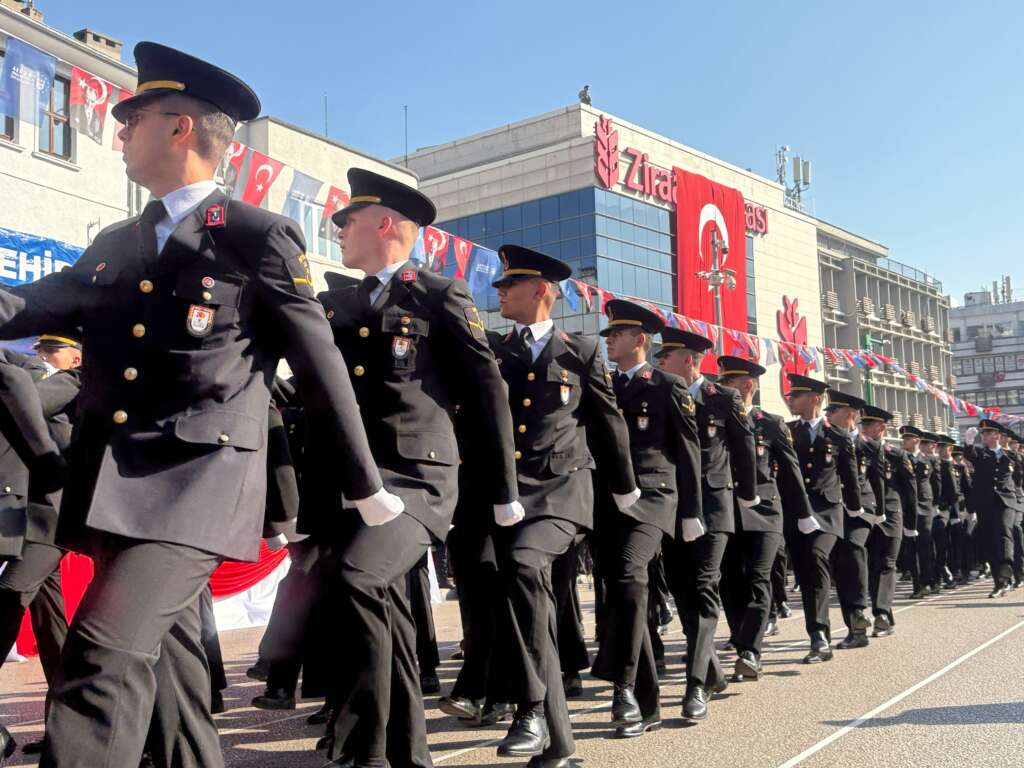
pixel 872 302
pixel 988 352
pixel 540 182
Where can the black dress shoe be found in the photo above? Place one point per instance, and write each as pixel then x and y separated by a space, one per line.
pixel 258 671
pixel 625 709
pixel 650 723
pixel 321 716
pixel 719 687
pixel 919 594
pixel 573 686
pixel 999 591
pixel 7 743
pixel 820 650
pixel 748 666
pixel 461 707
pixel 859 621
pixel 494 713
pixel 906 576
pixel 695 704
pixel 664 615
pixel 660 666
pixel 459 655
pixel 216 703
pixel 771 629
pixel 278 698
pixel 934 589
pixel 728 645
pixel 33 748
pixel 429 684
pixel 785 611
pixel 883 628
pixel 527 737
pixel 853 640
pixel 550 762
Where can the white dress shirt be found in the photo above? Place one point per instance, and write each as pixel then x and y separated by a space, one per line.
pixel 541 332
pixel 695 387
pixel 632 371
pixel 180 203
pixel 385 276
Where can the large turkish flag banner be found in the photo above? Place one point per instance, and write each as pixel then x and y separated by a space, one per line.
pixel 704 208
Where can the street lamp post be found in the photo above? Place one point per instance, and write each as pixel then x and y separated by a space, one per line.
pixel 717 277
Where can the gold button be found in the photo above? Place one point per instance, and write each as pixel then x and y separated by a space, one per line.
pixel 207 295
pixel 359 370
pixel 518 455
pixel 405 320
pixel 224 438
pixel 809 465
pixel 807 479
pixel 146 286
pixel 404 329
pixel 662 485
pixel 138 330
pixel 330 313
pixel 120 417
pixel 527 402
pixel 531 376
pixel 7 489
pixel 431 455
pixel 94 278
pixel 364 331
pixel 621 411
pixel 131 374
pixel 522 428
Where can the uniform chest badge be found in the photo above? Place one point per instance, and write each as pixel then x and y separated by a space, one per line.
pixel 408 275
pixel 215 217
pixel 400 347
pixel 200 320
pixel 646 374
pixel 563 393
pixel 642 422
pixel 712 429
pixel 760 450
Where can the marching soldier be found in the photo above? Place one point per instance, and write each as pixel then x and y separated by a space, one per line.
pixel 851 553
pixel 728 477
pixel 561 399
pixel 1008 441
pixel 829 464
pixel 994 497
pixel 899 499
pixel 415 345
pixel 186 312
pixel 753 549
pixel 963 535
pixel 929 465
pixel 947 514
pixel 921 559
pixel 665 451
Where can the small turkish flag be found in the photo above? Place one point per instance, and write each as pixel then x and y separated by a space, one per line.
pixel 337 199
pixel 263 172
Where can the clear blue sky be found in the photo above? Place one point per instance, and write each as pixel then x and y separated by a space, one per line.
pixel 911 112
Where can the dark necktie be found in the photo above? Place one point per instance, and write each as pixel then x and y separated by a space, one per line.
pixel 368 286
pixel 810 431
pixel 155 211
pixel 620 383
pixel 525 340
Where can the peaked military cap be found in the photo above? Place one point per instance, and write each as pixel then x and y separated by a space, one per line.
pixel 729 365
pixel 676 338
pixel 369 188
pixel 164 70
pixel 874 413
pixel 626 314
pixel 837 399
pixel 945 440
pixel 986 425
pixel 958 450
pixel 518 262
pixel 65 338
pixel 800 384
pixel 336 280
pixel 929 437
pixel 910 429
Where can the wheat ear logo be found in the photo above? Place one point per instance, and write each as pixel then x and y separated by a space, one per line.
pixel 606 152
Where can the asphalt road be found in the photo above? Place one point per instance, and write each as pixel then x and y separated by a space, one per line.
pixel 946 690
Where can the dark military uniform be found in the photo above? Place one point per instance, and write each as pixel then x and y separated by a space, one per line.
pixel 962 546
pixel 752 551
pixel 414 350
pixel 830 475
pixel 728 474
pixel 168 460
pixel 884 541
pixel 946 520
pixel 925 473
pixel 665 452
pixel 994 496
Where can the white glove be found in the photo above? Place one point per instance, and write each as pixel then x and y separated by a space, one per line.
pixel 507 515
pixel 956 521
pixel 873 519
pixel 970 435
pixel 275 543
pixel 626 500
pixel 910 533
pixel 748 503
pixel 856 512
pixel 693 529
pixel 381 508
pixel 808 524
pixel 974 517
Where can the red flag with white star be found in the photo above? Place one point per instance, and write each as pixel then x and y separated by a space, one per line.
pixel 263 172
pixel 337 198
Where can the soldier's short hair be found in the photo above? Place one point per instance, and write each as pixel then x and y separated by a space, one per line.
pixel 213 129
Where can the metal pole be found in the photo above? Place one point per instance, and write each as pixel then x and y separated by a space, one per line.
pixel 405 109
pixel 717 288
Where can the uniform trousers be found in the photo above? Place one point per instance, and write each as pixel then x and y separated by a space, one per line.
pixel 882 553
pixel 1018 549
pixel 925 551
pixel 572 644
pixel 957 533
pixel 747 586
pixel 940 544
pixel 525 554
pixel 137 627
pixel 778 581
pixel 694 570
pixel 995 529
pixel 378 717
pixel 850 567
pixel 625 655
pixel 816 581
pixel 423 616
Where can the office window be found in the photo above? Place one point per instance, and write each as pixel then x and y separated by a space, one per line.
pixel 54 128
pixel 6 121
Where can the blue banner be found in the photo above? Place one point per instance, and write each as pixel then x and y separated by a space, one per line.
pixel 26 258
pixel 26 80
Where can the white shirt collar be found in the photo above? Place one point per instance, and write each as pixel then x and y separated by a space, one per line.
pixel 539 330
pixel 389 271
pixel 853 433
pixel 184 200
pixel 633 370
pixel 813 423
pixel 695 387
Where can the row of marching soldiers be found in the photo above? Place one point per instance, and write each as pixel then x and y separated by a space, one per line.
pixel 414 423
